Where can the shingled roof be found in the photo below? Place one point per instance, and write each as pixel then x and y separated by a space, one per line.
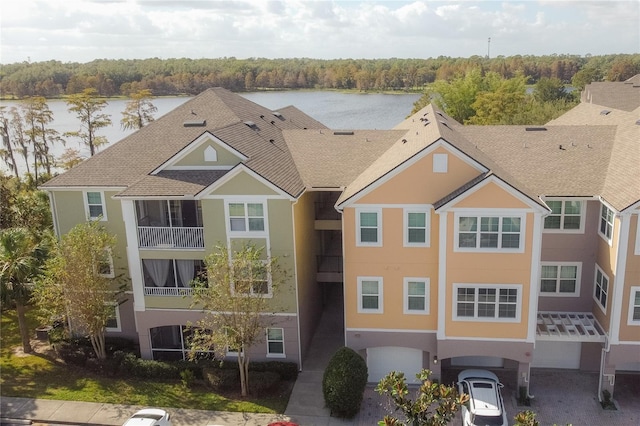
pixel 130 162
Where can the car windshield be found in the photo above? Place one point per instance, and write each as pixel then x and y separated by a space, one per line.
pixel 147 416
pixel 487 420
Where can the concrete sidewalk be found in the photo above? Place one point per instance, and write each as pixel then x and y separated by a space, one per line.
pixel 92 413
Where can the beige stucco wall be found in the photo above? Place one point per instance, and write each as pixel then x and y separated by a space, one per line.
pixel 196 157
pixel 632 278
pixel 243 184
pixel 309 292
pixel 70 210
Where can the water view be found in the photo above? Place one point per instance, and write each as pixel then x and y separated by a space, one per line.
pixel 336 110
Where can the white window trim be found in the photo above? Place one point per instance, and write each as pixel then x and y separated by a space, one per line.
pixel 378 212
pixel 637 249
pixel 561 230
pixel 494 213
pixel 267 295
pixel 361 309
pixel 275 355
pixel 498 287
pixel 85 197
pixel 630 320
pixel 118 327
pixel 427 298
pixel 246 232
pixel 609 239
pixel 595 286
pixel 557 293
pixel 405 226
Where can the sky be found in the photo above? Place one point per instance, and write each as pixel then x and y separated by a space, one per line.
pixel 84 30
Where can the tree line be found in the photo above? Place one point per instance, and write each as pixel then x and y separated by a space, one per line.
pixel 183 76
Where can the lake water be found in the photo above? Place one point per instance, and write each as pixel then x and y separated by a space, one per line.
pixel 334 109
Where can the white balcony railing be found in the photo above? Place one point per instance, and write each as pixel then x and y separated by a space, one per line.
pixel 162 237
pixel 168 291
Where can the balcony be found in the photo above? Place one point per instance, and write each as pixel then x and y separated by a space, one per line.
pixel 168 291
pixel 169 224
pixel 162 237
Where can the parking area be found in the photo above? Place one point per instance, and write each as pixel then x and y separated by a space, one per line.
pixel 561 398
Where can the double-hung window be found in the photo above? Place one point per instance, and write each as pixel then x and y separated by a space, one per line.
pixel 113 322
pixel 275 342
pixel 606 223
pixel 369 227
pixel 416 228
pixel 634 306
pixel 566 216
pixel 370 295
pixel 560 279
pixel 94 205
pixel 482 302
pixel 246 217
pixel 489 233
pixel 416 296
pixel 601 289
pixel 104 264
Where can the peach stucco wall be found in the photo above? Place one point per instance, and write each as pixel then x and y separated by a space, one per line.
pixel 393 263
pixel 418 183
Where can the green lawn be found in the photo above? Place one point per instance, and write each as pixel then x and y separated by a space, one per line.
pixel 38 376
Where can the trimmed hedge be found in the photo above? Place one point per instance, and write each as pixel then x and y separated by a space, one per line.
pixel 344 382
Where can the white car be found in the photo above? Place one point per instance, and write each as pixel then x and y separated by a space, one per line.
pixel 149 417
pixel 485 406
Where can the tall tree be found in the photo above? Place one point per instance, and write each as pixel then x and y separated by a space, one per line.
pixel 236 301
pixel 435 404
pixel 88 109
pixel 78 282
pixel 7 151
pixel 139 110
pixel 18 136
pixel 38 117
pixel 498 104
pixel 21 259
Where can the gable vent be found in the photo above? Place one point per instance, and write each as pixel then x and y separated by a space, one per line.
pixel 535 129
pixel 343 133
pixel 195 123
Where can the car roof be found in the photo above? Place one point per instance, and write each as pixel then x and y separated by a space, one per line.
pixel 146 417
pixel 477 374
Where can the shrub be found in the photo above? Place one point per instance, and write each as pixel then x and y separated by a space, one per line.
pixel 286 370
pixel 343 383
pixel 262 381
pixel 72 353
pixel 187 377
pixel 221 379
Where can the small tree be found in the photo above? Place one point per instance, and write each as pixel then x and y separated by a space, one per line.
pixel 21 259
pixel 139 110
pixel 87 107
pixel 435 404
pixel 236 299
pixel 78 282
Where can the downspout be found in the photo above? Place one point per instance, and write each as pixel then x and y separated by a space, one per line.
pixel 295 277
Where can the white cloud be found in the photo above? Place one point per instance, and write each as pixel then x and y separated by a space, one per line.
pixel 82 30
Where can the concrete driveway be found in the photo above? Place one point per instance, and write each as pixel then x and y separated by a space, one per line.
pixel 560 398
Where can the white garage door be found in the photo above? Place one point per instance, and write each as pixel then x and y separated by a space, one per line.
pixel 381 361
pixel 557 355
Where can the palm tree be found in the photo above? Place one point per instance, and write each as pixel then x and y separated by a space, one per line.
pixel 21 259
